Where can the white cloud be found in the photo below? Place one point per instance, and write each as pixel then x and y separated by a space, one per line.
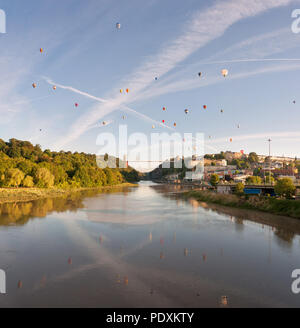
pixel 204 27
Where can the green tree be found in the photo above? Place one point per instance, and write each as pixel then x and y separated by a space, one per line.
pixel 214 179
pixel 43 178
pixel 13 177
pixel 270 179
pixel 239 188
pixel 254 180
pixel 285 187
pixel 28 182
pixel 252 157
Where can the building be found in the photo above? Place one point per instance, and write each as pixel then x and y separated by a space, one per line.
pixel 287 171
pixel 229 155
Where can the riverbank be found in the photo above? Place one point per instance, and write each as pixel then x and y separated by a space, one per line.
pixel 13 195
pixel 284 207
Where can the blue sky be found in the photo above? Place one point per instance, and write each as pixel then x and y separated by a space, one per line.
pixel 173 40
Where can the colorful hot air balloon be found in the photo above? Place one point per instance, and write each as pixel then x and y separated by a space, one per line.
pixel 127 90
pixel 118 26
pixel 163 121
pixel 54 87
pixel 242 152
pixel 76 105
pixel 230 139
pixel 164 108
pixel 41 50
pixel 121 90
pixel 224 72
pixel 204 106
pixel 175 124
pixel 34 85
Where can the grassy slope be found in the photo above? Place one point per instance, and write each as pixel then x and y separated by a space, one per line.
pixel 11 195
pixel 271 205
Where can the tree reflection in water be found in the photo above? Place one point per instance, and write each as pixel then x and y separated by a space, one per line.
pixel 19 213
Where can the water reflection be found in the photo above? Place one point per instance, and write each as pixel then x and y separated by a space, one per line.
pixel 19 213
pixel 285 228
pixel 145 247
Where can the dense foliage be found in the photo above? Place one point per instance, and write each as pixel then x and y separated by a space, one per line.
pixel 26 165
pixel 285 187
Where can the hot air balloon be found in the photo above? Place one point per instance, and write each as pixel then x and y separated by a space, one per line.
pixel 204 106
pixel 121 90
pixel 76 105
pixel 54 87
pixel 242 152
pixel 186 111
pixel 164 108
pixel 153 126
pixel 199 74
pixel 127 90
pixel 118 26
pixel 34 85
pixel 175 124
pixel 163 121
pixel 224 72
pixel 41 50
pixel 224 300
pixel 230 139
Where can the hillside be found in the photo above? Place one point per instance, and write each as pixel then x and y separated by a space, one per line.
pixel 25 165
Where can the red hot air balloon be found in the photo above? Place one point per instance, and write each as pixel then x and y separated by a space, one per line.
pixel 164 108
pixel 204 106
pixel 242 152
pixel 163 121
pixel 76 105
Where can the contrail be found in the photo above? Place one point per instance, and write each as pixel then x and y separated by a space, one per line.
pixel 102 100
pixel 77 91
pixel 248 60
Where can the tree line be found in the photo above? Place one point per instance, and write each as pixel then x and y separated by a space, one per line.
pixel 24 165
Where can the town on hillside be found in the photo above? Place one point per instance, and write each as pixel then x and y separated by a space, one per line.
pixel 226 169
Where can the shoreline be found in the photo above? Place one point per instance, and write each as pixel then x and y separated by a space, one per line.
pixel 17 195
pixel 283 207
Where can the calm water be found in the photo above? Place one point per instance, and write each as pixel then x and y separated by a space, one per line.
pixel 145 247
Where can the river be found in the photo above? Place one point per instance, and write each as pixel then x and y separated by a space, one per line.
pixel 145 247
